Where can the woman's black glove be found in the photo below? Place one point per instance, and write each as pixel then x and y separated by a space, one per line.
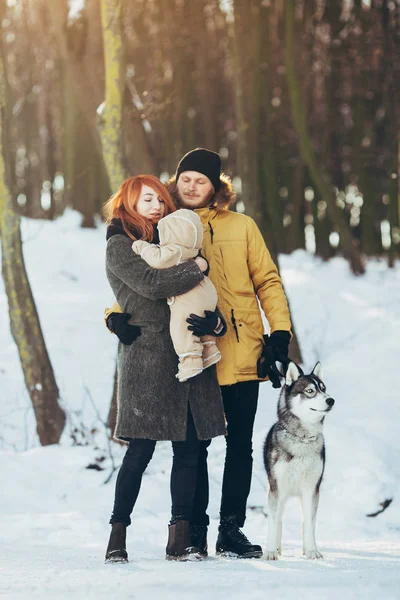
pixel 275 349
pixel 212 324
pixel 118 324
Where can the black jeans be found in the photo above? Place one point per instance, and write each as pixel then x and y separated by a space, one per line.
pixel 240 405
pixel 183 475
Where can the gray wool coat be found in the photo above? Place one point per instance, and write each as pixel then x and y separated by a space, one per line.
pixel 152 403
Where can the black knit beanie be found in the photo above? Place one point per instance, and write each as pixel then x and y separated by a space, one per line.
pixel 203 161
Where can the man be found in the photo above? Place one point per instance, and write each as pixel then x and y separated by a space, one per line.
pixel 242 270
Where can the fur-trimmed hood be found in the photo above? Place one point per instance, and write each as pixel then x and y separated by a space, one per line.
pixel 221 200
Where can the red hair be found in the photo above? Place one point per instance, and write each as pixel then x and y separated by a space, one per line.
pixel 123 205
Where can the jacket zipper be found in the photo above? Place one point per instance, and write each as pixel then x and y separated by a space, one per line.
pixel 234 324
pixel 211 232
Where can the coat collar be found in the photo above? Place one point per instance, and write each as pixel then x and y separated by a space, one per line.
pixel 207 213
pixel 115 228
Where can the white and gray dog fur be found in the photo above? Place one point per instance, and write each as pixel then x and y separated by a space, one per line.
pixel 294 455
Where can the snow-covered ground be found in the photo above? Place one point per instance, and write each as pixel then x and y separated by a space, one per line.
pixel 54 511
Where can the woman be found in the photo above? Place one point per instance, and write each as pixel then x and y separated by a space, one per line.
pixel 152 404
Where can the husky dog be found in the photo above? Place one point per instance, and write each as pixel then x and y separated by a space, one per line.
pixel 294 455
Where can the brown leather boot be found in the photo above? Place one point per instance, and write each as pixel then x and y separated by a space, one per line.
pixel 178 546
pixel 116 549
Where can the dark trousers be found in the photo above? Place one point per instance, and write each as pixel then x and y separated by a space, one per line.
pixel 184 475
pixel 240 405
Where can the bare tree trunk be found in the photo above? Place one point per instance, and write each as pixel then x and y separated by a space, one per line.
pixel 80 50
pixel 110 119
pixel 394 210
pixel 295 231
pixel 25 325
pixel 365 128
pixel 207 85
pixel 83 78
pixel 394 120
pixel 136 147
pixel 248 113
pixel 322 229
pixel 47 150
pixel 28 125
pixel 319 176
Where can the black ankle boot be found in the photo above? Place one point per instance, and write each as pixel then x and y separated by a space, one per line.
pixel 232 541
pixel 116 549
pixel 198 538
pixel 179 546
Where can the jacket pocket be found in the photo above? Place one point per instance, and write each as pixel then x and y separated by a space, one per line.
pixel 249 341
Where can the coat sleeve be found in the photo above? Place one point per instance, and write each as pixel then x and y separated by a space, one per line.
pixel 266 281
pixel 108 311
pixel 158 257
pixel 143 279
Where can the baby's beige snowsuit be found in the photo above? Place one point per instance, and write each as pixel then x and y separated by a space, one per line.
pixel 181 237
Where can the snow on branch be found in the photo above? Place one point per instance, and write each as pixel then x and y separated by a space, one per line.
pixel 100 109
pixel 75 10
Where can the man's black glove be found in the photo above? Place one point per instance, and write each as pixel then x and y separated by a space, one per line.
pixel 279 342
pixel 275 349
pixel 212 324
pixel 118 324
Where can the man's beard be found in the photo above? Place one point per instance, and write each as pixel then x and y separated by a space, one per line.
pixel 205 202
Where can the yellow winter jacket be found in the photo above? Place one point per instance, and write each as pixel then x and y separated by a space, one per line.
pixel 242 270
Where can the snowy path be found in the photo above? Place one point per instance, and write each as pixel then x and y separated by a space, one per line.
pixel 349 570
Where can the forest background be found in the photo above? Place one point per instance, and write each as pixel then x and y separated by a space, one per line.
pixel 299 97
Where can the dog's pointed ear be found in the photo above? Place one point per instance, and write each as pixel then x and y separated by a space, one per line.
pixel 317 370
pixel 293 373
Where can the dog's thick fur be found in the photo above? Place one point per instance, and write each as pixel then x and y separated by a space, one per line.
pixel 294 455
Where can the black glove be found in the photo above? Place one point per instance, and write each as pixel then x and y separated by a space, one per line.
pixel 266 367
pixel 275 349
pixel 208 325
pixel 118 324
pixel 279 342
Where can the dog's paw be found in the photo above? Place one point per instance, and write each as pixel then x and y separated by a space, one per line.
pixel 271 555
pixel 312 554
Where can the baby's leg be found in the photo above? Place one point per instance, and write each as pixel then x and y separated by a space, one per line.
pixel 211 354
pixel 187 346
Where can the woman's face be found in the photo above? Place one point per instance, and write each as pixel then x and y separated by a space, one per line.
pixel 150 205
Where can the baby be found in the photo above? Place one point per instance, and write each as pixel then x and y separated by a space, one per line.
pixel 181 237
